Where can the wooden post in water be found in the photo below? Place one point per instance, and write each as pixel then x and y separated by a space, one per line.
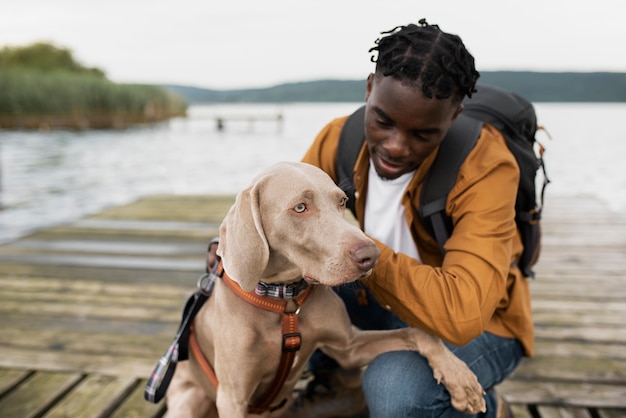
pixel 220 121
pixel 1 205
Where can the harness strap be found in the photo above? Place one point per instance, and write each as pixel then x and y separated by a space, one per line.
pixel 199 355
pixel 291 344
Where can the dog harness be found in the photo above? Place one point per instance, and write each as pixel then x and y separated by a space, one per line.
pixel 284 299
pixel 291 337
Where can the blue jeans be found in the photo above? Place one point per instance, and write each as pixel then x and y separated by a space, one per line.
pixel 401 384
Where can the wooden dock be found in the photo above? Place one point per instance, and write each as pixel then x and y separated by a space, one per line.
pixel 86 309
pixel 251 120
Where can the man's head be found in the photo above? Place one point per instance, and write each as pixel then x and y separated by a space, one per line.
pixel 425 57
pixel 422 75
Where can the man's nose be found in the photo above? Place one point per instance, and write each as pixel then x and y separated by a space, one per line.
pixel 397 144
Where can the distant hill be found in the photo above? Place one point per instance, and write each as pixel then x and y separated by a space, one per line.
pixel 306 91
pixel 536 86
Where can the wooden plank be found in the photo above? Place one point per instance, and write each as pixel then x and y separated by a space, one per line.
pixel 108 274
pixel 136 366
pixel 595 334
pixel 561 412
pixel 611 413
pixel 193 208
pixel 588 234
pixel 610 307
pixel 578 275
pixel 107 261
pixel 34 284
pixel 548 288
pixel 152 297
pixel 572 319
pixel 583 349
pixel 577 254
pixel 74 342
pixel 93 326
pixel 606 293
pixel 521 411
pixel 159 301
pixel 95 396
pixel 579 369
pixel 134 405
pixel 574 394
pixel 201 237
pixel 11 378
pixel 85 310
pixel 144 225
pixel 107 247
pixel 37 394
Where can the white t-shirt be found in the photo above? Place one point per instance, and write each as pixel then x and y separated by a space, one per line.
pixel 384 214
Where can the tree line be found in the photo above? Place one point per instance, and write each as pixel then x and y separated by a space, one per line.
pixel 43 86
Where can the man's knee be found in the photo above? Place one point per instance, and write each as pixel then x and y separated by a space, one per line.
pixel 401 384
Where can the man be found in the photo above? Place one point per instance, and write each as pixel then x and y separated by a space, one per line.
pixel 474 297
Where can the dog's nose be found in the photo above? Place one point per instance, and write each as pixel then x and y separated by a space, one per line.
pixel 365 256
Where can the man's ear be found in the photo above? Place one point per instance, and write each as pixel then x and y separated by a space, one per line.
pixel 369 85
pixel 457 111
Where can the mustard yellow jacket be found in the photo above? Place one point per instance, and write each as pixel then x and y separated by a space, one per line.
pixel 477 286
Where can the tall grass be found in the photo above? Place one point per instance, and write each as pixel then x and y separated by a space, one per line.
pixel 31 98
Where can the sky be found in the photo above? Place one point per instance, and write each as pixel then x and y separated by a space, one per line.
pixel 230 44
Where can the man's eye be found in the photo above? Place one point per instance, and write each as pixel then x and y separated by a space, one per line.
pixel 383 123
pixel 300 207
pixel 424 137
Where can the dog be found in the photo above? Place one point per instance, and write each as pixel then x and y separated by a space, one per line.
pixel 288 229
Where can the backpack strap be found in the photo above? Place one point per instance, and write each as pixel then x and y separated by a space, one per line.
pixel 350 143
pixel 442 175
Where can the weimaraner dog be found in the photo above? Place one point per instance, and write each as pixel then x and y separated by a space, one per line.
pixel 288 227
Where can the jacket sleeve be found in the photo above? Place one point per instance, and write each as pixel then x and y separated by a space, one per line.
pixel 457 299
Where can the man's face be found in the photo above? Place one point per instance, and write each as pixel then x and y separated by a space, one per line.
pixel 402 126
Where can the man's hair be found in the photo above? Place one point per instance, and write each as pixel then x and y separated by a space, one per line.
pixel 426 57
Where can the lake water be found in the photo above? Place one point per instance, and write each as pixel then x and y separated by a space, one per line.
pixel 54 177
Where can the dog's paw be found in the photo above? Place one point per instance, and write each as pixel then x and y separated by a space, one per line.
pixel 466 393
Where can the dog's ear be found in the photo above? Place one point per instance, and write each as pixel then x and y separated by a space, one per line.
pixel 243 246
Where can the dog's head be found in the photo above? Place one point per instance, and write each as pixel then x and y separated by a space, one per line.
pixel 289 224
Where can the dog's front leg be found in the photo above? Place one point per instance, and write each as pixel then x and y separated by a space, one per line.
pixel 363 346
pixel 466 394
pixel 229 404
pixel 186 398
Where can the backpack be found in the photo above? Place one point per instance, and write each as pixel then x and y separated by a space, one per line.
pixel 514 117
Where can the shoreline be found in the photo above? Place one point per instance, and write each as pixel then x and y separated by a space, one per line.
pixel 82 122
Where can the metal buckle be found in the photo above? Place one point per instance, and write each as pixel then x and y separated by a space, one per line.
pixel 206 283
pixel 295 346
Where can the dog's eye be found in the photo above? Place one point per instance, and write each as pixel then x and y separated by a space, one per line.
pixel 343 202
pixel 300 207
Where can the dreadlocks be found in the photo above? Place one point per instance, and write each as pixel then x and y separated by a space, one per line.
pixel 426 57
